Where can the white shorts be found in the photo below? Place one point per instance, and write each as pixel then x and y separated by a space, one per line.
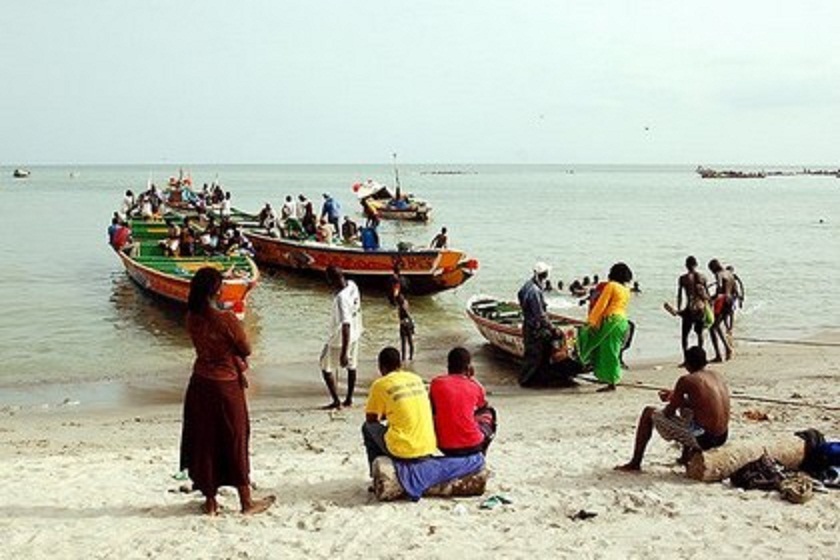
pixel 331 357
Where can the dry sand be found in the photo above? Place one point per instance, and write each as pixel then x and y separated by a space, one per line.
pixel 87 483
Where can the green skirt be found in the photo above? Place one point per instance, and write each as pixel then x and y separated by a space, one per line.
pixel 601 347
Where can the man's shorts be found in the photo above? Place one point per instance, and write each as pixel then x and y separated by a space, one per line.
pixel 331 357
pixel 679 428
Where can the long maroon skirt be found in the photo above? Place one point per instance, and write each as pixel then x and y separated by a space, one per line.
pixel 214 439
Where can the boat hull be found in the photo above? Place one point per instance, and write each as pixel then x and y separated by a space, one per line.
pixel 424 272
pixel 413 213
pixel 233 295
pixel 503 329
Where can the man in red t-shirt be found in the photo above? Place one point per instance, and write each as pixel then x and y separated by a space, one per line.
pixel 464 423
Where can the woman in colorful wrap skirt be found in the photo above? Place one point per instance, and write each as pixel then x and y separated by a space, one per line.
pixel 600 341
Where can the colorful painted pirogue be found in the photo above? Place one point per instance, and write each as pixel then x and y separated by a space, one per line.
pixel 169 277
pixel 424 271
pixel 500 323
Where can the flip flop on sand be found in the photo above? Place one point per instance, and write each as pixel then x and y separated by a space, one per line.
pixel 495 500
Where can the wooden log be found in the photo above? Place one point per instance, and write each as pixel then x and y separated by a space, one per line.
pixel 387 487
pixel 717 464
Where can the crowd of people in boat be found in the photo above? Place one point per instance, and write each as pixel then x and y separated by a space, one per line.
pixel 298 221
pixel 204 236
pixel 153 203
pixel 197 234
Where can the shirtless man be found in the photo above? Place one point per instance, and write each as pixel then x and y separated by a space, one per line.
pixel 723 302
pixel 692 284
pixel 440 241
pixel 697 413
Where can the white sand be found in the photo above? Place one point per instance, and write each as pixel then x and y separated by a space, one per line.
pixel 81 483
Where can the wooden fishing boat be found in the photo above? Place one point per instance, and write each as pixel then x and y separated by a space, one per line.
pixel 169 277
pixel 500 323
pixel 423 271
pixel 378 199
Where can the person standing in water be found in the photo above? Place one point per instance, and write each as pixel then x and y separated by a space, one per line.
pixel 722 305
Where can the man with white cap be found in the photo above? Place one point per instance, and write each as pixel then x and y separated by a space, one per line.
pixel 536 327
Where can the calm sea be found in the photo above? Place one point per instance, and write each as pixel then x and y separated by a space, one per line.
pixel 70 315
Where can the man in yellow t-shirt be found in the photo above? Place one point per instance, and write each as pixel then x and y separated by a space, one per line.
pixel 400 398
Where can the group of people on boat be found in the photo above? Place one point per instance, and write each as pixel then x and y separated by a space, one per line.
pixel 202 235
pixel 149 205
pixel 298 221
pixel 194 235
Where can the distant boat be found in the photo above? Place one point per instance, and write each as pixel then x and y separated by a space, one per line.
pixel 707 173
pixel 377 198
pixel 21 173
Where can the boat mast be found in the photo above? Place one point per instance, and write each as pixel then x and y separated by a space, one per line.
pixel 396 174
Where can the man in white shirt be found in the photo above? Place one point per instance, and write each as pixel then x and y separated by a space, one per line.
pixel 128 205
pixel 301 207
pixel 342 347
pixel 289 209
pixel 226 206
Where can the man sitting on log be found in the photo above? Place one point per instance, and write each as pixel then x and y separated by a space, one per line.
pixel 464 423
pixel 400 398
pixel 697 413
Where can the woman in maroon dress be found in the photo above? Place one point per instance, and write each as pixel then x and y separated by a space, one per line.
pixel 214 440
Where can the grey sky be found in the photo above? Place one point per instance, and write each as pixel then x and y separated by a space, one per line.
pixel 445 81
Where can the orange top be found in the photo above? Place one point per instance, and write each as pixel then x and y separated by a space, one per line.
pixel 612 301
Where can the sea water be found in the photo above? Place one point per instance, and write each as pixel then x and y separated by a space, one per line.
pixel 71 315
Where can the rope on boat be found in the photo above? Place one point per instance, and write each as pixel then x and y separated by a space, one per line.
pixel 785 341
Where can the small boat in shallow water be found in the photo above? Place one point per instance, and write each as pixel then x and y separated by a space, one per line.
pixel 500 323
pixel 20 173
pixel 169 277
pixel 378 199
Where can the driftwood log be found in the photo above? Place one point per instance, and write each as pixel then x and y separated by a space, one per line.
pixel 387 487
pixel 717 464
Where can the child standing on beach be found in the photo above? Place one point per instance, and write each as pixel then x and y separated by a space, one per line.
pixel 406 328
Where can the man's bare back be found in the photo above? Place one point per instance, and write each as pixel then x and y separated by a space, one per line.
pixel 706 394
pixel 693 284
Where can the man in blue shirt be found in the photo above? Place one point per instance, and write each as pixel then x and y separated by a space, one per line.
pixel 331 210
pixel 536 327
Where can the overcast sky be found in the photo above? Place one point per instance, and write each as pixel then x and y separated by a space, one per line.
pixel 481 81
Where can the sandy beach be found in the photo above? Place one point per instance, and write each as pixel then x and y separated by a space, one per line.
pixel 87 482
